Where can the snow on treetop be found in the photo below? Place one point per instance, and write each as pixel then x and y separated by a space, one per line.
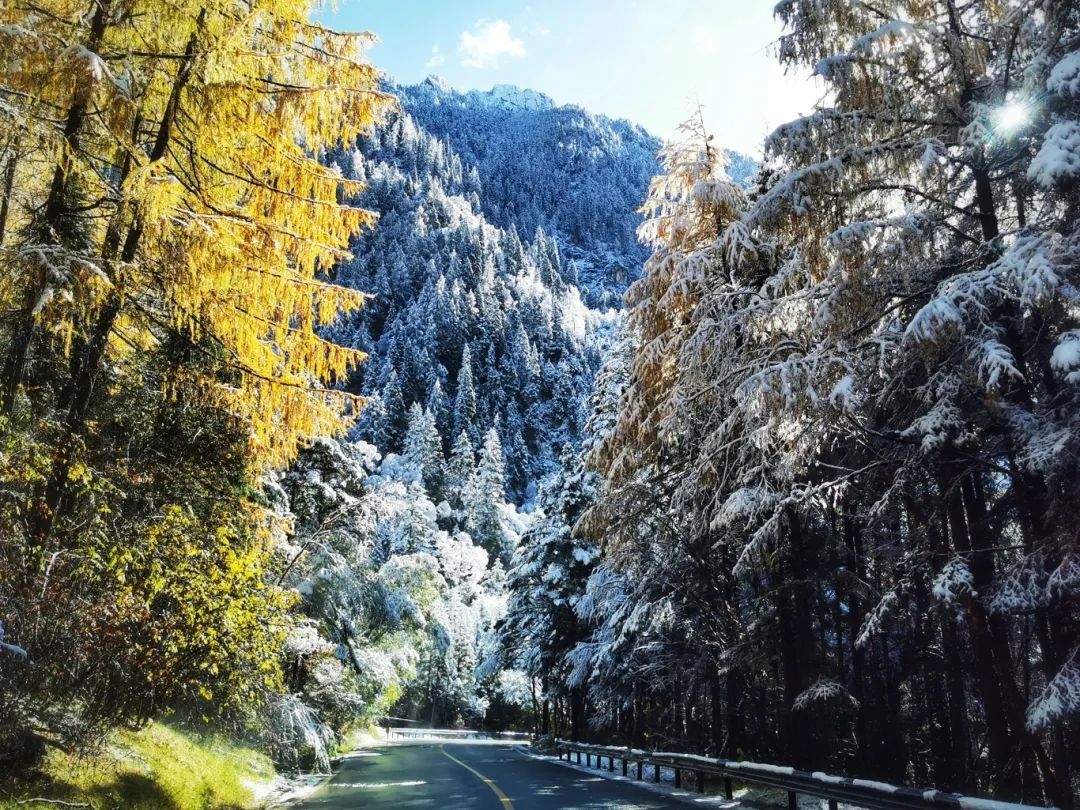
pixel 1065 77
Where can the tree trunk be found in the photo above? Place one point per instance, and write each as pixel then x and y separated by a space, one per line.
pixel 5 201
pixel 982 650
pixel 637 735
pixel 577 712
pixel 535 707
pixel 733 749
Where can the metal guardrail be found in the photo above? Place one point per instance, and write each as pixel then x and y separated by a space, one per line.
pixel 836 789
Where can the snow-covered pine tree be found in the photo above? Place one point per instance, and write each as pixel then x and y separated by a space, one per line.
pixel 484 498
pixel 465 409
pixel 460 469
pixel 423 448
pixel 547 579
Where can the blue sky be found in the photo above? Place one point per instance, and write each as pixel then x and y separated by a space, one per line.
pixel 648 61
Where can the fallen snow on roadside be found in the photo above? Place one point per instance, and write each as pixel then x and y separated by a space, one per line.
pixel 286 789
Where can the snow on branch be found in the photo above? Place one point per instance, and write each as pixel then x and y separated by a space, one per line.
pixel 1059 158
pixel 1066 357
pixel 1064 78
pixel 875 620
pixel 744 505
pixel 1023 588
pixel 995 361
pixel 823 691
pixel 795 189
pixel 952 301
pixel 1065 579
pixel 955 583
pixel 1059 699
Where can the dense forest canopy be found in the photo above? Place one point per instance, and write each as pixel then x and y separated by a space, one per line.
pixel 837 489
pixel 324 398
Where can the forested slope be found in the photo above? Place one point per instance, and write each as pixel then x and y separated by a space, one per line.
pixel 483 342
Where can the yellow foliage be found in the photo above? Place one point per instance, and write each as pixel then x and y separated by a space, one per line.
pixel 195 585
pixel 193 136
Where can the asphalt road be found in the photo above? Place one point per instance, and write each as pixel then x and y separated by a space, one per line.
pixel 475 776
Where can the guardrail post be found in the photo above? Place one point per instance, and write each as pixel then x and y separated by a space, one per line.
pixel 727 788
pixel 701 781
pixel 639 770
pixel 578 757
pixel 624 766
pixel 656 773
pixel 610 763
pixel 832 804
pixel 792 800
pixel 678 778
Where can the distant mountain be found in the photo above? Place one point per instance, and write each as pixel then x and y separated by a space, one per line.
pixel 505 242
pixel 580 177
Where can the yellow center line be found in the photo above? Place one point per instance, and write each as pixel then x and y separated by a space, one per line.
pixel 489 782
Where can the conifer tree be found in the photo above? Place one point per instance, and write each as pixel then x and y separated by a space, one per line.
pixel 460 469
pixel 438 403
pixel 486 494
pixel 395 414
pixel 548 579
pixel 465 402
pixel 423 447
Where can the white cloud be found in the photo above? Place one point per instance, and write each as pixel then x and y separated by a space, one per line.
pixel 487 43
pixel 437 58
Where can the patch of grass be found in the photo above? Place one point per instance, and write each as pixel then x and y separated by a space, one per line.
pixel 157 768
